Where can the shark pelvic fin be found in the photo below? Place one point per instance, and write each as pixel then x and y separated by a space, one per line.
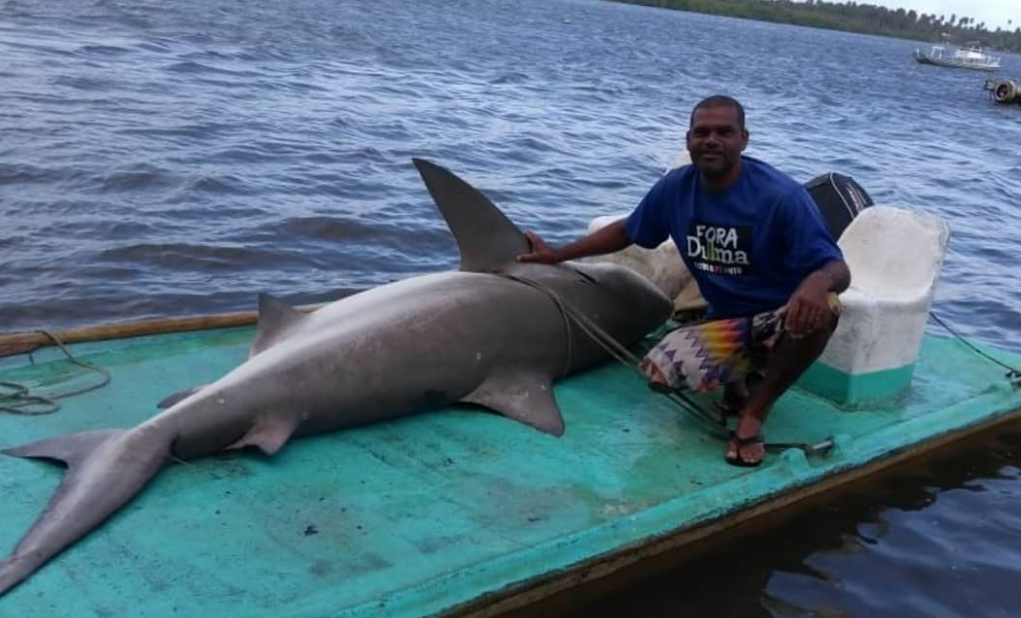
pixel 270 434
pixel 525 396
pixel 487 239
pixel 276 320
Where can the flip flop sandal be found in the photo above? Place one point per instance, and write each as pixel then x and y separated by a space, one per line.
pixel 741 443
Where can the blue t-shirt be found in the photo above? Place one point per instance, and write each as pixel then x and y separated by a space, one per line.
pixel 749 247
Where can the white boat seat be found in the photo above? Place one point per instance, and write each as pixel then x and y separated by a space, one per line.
pixel 895 257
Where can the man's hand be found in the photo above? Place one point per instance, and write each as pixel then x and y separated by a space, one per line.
pixel 607 239
pixel 808 309
pixel 541 252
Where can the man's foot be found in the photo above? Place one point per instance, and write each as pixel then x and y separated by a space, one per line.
pixel 746 447
pixel 738 451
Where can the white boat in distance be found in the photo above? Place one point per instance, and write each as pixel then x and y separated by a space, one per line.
pixel 971 57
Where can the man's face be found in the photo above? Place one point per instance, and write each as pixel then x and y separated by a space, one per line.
pixel 716 140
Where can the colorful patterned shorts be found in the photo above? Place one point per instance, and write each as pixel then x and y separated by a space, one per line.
pixel 704 356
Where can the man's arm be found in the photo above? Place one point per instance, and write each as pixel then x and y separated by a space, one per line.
pixel 807 309
pixel 608 239
pixel 838 275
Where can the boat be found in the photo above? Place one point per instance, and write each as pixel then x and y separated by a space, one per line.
pixel 449 514
pixel 969 57
pixel 463 514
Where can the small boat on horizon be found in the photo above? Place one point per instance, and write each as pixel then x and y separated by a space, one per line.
pixel 970 57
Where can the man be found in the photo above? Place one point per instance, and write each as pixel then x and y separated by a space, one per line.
pixel 761 254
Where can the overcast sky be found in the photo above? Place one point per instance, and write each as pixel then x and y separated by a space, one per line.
pixel 993 12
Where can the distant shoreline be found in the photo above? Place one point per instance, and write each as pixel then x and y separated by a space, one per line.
pixel 852 17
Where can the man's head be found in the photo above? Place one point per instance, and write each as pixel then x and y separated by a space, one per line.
pixel 717 137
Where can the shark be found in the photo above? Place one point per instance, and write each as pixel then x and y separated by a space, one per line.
pixel 496 333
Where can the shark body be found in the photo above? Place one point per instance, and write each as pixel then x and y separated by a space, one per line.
pixel 478 335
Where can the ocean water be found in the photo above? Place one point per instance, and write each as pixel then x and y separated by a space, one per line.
pixel 168 159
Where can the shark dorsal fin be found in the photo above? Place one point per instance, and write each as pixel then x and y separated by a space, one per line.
pixel 486 237
pixel 276 320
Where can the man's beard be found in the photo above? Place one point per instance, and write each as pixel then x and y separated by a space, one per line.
pixel 719 170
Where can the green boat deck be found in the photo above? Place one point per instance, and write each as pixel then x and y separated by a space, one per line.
pixel 431 514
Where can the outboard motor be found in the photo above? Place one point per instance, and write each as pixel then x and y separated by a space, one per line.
pixel 839 199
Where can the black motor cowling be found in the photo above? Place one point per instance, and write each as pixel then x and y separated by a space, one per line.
pixel 839 199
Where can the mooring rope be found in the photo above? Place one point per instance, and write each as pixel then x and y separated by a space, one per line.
pixel 19 399
pixel 1013 374
pixel 680 398
pixel 619 352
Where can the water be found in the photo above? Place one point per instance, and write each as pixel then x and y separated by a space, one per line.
pixel 162 159
pixel 933 539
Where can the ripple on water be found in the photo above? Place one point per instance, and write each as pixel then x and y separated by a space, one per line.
pixel 203 258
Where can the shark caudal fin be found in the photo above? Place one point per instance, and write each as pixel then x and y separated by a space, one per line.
pixel 106 469
pixel 13 571
pixel 486 237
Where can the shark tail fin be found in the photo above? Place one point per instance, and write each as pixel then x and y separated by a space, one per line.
pixel 12 572
pixel 70 450
pixel 106 469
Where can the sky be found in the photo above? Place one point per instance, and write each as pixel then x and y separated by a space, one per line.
pixel 993 12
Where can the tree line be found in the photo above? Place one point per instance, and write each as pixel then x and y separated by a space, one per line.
pixel 855 17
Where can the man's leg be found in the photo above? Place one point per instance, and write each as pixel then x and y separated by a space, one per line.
pixel 735 396
pixel 788 360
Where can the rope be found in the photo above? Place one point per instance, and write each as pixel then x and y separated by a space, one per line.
pixel 629 360
pixel 1013 374
pixel 20 400
pixel 618 351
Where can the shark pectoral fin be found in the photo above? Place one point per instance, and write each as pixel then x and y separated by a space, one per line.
pixel 71 450
pixel 270 434
pixel 276 318
pixel 487 239
pixel 524 396
pixel 172 400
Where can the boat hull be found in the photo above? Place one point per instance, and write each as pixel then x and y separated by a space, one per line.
pixel 950 64
pixel 443 514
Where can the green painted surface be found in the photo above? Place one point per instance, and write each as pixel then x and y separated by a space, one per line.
pixel 859 390
pixel 419 515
